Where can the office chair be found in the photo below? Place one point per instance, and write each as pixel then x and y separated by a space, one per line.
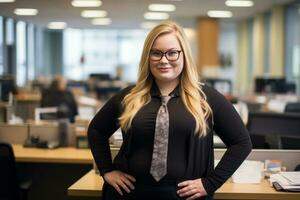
pixel 292 107
pixel 11 188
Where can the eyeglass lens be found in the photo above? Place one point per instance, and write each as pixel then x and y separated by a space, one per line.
pixel 171 55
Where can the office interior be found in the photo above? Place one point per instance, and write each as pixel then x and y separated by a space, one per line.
pixel 249 54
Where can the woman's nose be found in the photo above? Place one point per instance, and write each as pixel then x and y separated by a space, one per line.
pixel 164 59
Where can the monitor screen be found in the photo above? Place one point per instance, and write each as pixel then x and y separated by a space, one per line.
pixel 76 85
pixel 270 130
pixel 101 76
pixel 224 86
pixel 7 85
pixel 270 85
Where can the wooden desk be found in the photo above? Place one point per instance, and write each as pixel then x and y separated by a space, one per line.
pixel 262 191
pixel 90 185
pixel 59 155
pixel 56 169
pixel 28 97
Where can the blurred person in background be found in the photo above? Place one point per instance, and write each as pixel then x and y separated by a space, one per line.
pixel 57 95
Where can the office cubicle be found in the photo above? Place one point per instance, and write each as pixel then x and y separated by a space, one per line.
pixel 14 134
pixel 46 168
pixel 49 132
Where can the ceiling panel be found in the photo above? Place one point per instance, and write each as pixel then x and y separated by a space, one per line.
pixel 126 13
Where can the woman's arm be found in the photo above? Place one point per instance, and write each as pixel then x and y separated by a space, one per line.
pixel 230 128
pixel 102 126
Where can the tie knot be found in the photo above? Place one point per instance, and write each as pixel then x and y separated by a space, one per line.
pixel 165 99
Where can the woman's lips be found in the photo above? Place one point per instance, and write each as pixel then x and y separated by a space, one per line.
pixel 164 69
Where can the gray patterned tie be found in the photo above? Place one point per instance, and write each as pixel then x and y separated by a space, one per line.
pixel 160 147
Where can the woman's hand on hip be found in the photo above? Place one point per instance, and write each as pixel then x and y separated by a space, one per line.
pixel 119 180
pixel 192 189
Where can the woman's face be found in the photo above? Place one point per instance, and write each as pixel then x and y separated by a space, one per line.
pixel 168 68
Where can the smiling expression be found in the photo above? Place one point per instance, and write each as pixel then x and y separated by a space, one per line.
pixel 164 70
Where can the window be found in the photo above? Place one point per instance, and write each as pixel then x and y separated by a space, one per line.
pixel 73 69
pixel 292 44
pixel 30 49
pixel 9 31
pixel 21 54
pixel 1 45
pixel 102 51
pixel 131 44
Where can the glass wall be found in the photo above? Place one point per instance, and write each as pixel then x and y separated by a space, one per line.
pixel 1 45
pixel 9 47
pixel 131 44
pixel 21 53
pixel 99 51
pixel 292 44
pixel 102 51
pixel 9 31
pixel 228 50
pixel 30 52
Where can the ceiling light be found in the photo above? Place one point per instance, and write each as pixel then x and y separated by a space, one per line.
pixel 156 15
pixel 57 25
pixel 7 1
pixel 26 11
pixel 148 25
pixel 93 13
pixel 219 13
pixel 86 3
pixel 101 21
pixel 239 3
pixel 162 7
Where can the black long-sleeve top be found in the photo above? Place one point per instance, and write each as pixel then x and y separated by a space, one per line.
pixel 189 156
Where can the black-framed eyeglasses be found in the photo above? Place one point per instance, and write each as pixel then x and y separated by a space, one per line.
pixel 171 55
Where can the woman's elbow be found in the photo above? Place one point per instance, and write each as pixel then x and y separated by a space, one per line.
pixel 248 146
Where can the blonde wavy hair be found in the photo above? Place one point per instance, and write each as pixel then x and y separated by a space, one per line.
pixel 191 93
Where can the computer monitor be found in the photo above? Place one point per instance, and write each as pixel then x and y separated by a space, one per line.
pixel 268 129
pixel 101 76
pixel 224 86
pixel 270 85
pixel 78 85
pixel 7 85
pixel 290 87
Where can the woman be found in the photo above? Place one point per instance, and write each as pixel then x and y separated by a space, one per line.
pixel 167 86
pixel 57 95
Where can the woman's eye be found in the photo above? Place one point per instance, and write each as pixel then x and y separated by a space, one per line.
pixel 172 53
pixel 156 53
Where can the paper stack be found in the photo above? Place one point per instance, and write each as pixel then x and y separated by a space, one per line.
pixel 249 172
pixel 287 181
